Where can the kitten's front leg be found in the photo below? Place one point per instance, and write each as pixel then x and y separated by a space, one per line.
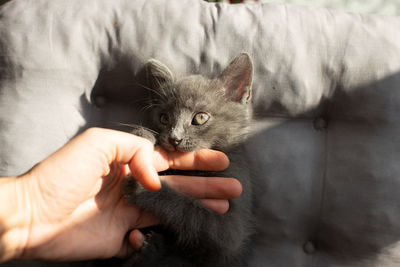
pixel 192 223
pixel 145 133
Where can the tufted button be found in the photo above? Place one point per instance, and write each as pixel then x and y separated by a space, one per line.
pixel 309 247
pixel 99 100
pixel 320 124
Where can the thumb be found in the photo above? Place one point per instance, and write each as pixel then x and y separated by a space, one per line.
pixel 142 166
pixel 125 148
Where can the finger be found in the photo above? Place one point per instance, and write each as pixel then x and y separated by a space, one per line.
pixel 205 187
pixel 203 159
pixel 136 239
pixel 142 168
pixel 219 206
pixel 123 148
pixel 133 242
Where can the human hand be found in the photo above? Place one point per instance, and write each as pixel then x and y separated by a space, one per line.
pixel 70 206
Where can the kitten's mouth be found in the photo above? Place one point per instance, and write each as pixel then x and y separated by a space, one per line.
pixel 178 148
pixel 181 149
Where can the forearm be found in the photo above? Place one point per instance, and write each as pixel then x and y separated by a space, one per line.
pixel 14 211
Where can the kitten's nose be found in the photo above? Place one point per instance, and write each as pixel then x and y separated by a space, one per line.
pixel 174 141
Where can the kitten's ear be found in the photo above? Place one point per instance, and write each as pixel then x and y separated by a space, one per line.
pixel 157 73
pixel 237 79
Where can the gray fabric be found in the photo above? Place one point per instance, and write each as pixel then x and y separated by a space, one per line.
pixel 326 95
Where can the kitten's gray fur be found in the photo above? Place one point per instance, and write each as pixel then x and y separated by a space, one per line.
pixel 190 234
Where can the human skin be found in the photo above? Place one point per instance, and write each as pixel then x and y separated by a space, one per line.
pixel 70 205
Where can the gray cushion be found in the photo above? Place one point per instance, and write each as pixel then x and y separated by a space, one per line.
pixel 326 93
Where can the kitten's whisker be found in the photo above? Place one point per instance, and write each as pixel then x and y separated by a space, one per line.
pixel 123 124
pixel 164 93
pixel 135 126
pixel 149 106
pixel 158 82
pixel 150 89
pixel 142 127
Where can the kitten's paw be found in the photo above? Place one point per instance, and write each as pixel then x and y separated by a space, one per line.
pixel 129 186
pixel 131 190
pixel 145 133
pixel 152 252
pixel 147 241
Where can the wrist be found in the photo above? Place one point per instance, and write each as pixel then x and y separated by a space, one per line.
pixel 14 218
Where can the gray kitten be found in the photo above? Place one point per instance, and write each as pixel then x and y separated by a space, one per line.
pixel 185 115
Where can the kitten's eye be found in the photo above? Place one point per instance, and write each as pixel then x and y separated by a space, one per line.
pixel 200 118
pixel 164 118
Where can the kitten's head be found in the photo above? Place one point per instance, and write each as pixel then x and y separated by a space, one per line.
pixel 196 112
